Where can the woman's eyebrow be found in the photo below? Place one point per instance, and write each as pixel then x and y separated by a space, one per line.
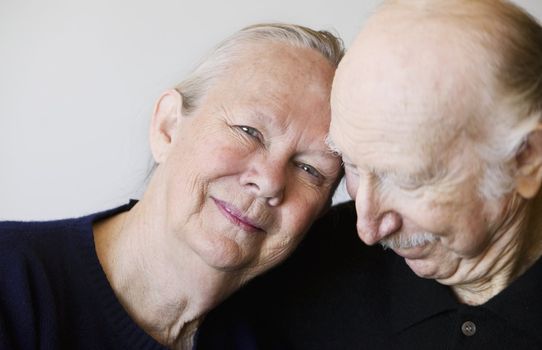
pixel 269 118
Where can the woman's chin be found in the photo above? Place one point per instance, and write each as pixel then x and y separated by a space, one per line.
pixel 223 255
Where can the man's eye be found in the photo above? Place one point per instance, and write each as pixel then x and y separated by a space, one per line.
pixel 251 132
pixel 309 169
pixel 404 183
pixel 409 185
pixel 350 168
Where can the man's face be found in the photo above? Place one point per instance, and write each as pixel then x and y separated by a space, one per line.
pixel 400 118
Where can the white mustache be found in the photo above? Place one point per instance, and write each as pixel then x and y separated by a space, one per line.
pixel 404 242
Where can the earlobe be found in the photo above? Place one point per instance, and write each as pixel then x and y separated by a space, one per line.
pixel 529 165
pixel 528 186
pixel 164 124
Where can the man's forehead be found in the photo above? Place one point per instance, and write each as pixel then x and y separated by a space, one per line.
pixel 384 133
pixel 391 65
pixel 422 83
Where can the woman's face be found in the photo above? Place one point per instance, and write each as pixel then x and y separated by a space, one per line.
pixel 248 171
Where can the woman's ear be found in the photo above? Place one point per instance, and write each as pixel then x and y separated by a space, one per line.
pixel 529 165
pixel 164 124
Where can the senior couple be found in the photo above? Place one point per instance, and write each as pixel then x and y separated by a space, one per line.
pixel 436 113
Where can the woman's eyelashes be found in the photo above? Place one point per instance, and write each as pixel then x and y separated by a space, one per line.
pixel 309 169
pixel 252 132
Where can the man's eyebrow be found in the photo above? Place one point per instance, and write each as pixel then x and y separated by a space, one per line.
pixel 426 176
pixel 332 147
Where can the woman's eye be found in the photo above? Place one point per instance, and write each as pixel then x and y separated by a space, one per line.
pixel 251 132
pixel 310 170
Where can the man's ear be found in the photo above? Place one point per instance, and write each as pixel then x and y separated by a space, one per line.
pixel 164 124
pixel 529 165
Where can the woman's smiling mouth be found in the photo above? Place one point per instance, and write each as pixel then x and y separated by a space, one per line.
pixel 235 217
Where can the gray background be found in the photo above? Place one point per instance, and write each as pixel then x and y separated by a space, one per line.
pixel 78 81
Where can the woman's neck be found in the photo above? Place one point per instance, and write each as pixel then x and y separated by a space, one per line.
pixel 166 291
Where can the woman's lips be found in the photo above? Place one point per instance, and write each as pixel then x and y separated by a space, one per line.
pixel 235 216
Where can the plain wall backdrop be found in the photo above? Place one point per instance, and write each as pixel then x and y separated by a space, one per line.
pixel 78 81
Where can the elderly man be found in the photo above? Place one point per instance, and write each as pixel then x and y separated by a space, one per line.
pixel 437 111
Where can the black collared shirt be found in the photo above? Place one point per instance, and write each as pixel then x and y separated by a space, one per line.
pixel 337 293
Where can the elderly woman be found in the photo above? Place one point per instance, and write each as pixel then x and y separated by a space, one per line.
pixel 242 171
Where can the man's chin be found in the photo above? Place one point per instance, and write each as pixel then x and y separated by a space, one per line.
pixel 424 268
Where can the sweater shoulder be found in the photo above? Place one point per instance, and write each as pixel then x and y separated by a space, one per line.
pixel 31 278
pixel 26 241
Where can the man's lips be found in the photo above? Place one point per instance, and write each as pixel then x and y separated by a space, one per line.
pixel 235 216
pixel 414 253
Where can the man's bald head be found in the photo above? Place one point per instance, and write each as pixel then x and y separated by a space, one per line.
pixel 511 37
pixel 478 60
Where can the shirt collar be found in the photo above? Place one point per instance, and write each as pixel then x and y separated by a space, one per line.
pixel 415 299
pixel 521 302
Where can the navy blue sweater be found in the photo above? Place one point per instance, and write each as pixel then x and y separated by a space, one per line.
pixel 54 293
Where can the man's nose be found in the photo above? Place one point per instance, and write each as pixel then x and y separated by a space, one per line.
pixel 375 221
pixel 266 178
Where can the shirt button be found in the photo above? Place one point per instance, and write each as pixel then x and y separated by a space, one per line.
pixel 468 328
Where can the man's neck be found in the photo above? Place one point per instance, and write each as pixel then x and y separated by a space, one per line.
pixel 511 255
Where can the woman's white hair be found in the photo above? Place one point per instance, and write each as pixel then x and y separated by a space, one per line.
pixel 218 60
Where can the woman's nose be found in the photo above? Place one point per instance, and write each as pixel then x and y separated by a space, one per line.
pixel 267 180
